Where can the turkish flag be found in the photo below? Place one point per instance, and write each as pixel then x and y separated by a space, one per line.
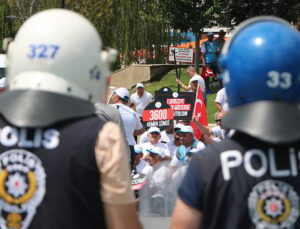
pixel 200 112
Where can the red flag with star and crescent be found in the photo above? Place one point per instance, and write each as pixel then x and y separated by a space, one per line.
pixel 200 113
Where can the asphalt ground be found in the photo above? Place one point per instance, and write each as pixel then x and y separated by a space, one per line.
pixel 155 222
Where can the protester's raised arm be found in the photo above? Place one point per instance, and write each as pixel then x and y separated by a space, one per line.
pixel 205 130
pixel 183 86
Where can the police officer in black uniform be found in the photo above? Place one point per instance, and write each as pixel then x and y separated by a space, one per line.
pixel 60 165
pixel 253 179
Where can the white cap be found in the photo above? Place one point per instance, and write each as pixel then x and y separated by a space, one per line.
pixel 138 149
pixel 178 127
pixel 157 150
pixel 153 129
pixel 186 129
pixel 3 83
pixel 140 85
pixel 123 93
pixel 195 78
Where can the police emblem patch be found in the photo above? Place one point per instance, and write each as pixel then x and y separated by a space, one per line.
pixel 22 188
pixel 273 204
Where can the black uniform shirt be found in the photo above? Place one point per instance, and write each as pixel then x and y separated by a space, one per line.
pixel 245 183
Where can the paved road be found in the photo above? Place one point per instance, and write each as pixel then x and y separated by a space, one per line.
pixel 156 222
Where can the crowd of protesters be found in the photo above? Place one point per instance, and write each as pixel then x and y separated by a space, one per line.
pixel 164 155
pixel 64 167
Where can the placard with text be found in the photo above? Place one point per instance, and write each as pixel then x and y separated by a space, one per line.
pixel 182 103
pixel 183 55
pixel 157 114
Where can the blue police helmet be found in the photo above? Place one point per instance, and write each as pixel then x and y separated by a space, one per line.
pixel 261 65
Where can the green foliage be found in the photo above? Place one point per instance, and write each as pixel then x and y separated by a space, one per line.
pixel 211 108
pixel 128 26
pixel 144 25
pixel 14 12
pixel 193 15
pixel 6 27
pixel 239 10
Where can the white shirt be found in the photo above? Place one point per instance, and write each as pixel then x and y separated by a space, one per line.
pixel 179 167
pixel 218 132
pixel 141 102
pixel 221 133
pixel 221 98
pixel 172 148
pixel 160 181
pixel 165 137
pixel 201 82
pixel 144 167
pixel 130 120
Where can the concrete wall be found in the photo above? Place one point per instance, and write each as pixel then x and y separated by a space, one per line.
pixel 129 76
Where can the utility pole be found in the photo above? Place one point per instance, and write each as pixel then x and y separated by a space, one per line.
pixel 10 19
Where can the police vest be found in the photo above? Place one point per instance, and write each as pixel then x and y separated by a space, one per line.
pixel 247 184
pixel 49 178
pixel 211 52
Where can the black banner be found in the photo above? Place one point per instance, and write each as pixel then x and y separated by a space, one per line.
pixel 182 103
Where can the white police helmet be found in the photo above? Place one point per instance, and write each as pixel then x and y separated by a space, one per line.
pixel 56 62
pixel 58 51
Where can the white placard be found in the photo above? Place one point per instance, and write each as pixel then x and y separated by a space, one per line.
pixel 183 55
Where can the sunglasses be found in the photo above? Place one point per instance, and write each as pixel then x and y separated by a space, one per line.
pixel 218 120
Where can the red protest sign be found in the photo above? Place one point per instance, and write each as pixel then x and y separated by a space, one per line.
pixel 158 114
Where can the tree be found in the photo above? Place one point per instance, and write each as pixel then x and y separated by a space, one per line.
pixel 127 25
pixel 193 15
pixel 17 11
pixel 6 25
pixel 237 11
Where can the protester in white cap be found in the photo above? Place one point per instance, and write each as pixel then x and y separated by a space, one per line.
pixel 130 118
pixel 140 99
pixel 189 146
pixel 140 165
pixel 122 93
pixel 154 137
pixel 159 182
pixel 166 135
pixel 183 154
pixel 176 139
